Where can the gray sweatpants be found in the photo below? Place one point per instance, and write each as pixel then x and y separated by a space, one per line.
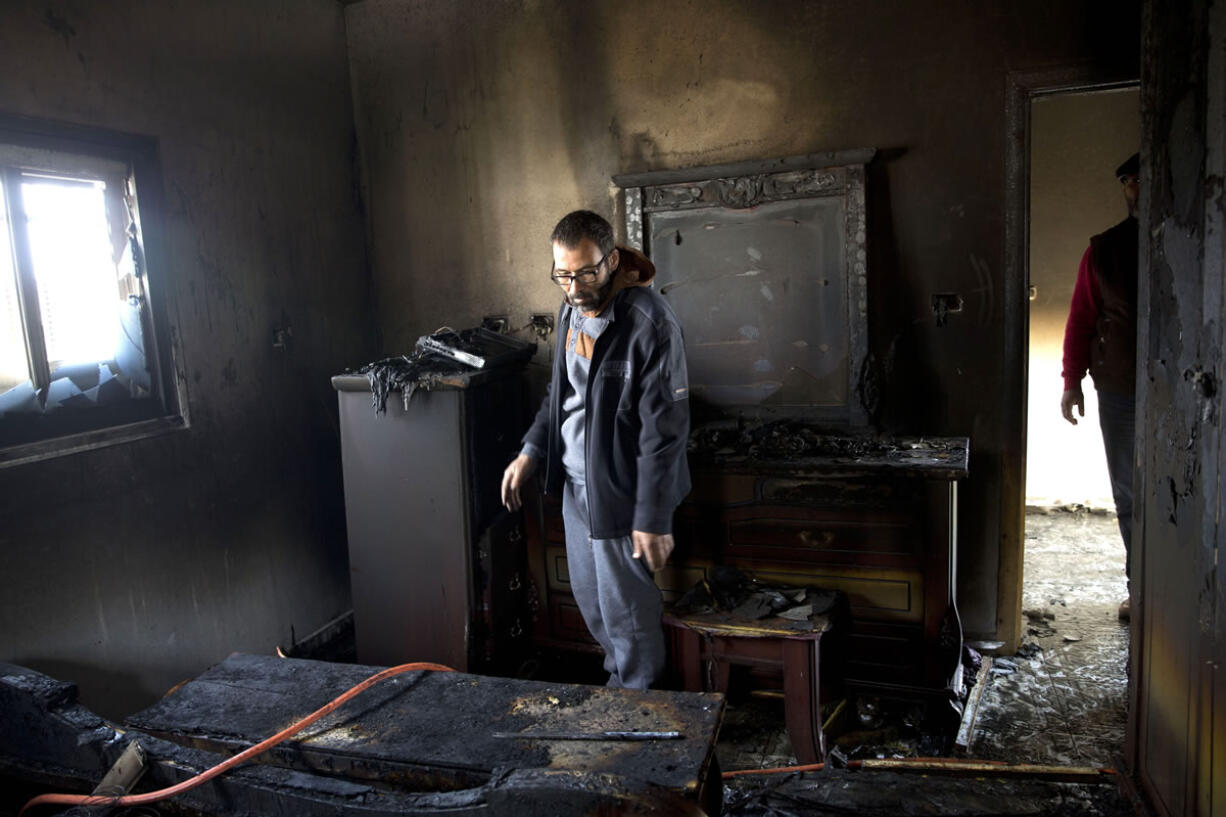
pixel 617 596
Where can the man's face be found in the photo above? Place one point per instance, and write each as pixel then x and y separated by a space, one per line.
pixel 1132 191
pixel 581 261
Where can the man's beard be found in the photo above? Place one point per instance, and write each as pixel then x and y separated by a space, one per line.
pixel 600 296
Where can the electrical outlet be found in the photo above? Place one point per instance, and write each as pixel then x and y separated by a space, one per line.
pixel 541 324
pixel 496 323
pixel 944 303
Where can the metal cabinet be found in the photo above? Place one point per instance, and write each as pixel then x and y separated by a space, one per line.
pixel 436 565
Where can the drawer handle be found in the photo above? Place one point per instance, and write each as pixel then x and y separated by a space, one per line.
pixel 816 538
pixel 514 584
pixel 516 630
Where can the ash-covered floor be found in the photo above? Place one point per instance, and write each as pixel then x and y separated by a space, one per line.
pixel 1061 701
pixel 1063 698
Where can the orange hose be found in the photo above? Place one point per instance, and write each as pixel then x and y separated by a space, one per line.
pixel 225 765
pixel 809 767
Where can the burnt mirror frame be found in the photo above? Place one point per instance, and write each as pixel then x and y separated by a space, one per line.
pixel 823 194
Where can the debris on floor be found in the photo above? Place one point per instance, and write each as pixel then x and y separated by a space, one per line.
pixel 731 590
pixel 1063 697
pixel 839 792
pixel 1057 701
pixel 1060 700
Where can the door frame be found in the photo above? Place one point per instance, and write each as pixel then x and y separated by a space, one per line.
pixel 1022 88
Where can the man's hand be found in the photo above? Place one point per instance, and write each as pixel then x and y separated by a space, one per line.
pixel 654 547
pixel 1070 398
pixel 517 473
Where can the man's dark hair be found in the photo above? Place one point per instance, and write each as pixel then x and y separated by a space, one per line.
pixel 581 224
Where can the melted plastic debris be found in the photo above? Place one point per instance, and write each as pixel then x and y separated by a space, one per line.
pixel 423 368
pixel 406 374
pixel 444 354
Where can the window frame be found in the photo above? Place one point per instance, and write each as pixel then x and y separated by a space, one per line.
pixel 140 155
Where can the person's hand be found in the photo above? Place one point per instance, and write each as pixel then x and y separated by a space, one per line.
pixel 1070 398
pixel 517 473
pixel 654 547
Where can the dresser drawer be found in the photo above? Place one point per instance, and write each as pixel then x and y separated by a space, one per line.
pixel 874 594
pixel 801 534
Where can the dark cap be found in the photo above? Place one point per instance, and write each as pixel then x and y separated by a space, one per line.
pixel 1131 166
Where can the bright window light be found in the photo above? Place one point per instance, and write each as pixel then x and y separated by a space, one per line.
pixel 14 368
pixel 78 292
pixel 79 365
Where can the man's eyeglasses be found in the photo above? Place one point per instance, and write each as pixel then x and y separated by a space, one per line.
pixel 586 275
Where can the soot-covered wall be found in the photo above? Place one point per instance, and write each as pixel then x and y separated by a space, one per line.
pixel 481 123
pixel 130 568
pixel 1177 712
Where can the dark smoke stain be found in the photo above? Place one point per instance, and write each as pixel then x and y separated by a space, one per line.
pixel 59 25
pixel 1174 499
pixel 1203 381
pixel 230 373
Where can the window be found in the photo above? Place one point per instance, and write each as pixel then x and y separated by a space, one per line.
pixel 82 360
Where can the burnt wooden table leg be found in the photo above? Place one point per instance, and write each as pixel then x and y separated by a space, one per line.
pixel 688 655
pixel 717 666
pixel 802 699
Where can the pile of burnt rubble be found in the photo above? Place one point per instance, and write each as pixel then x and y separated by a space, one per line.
pixel 745 597
pixel 783 438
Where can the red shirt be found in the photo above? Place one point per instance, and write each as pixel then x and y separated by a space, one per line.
pixel 1082 318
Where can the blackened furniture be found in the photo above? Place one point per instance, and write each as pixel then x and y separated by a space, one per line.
pixel 436 564
pixel 765 264
pixel 875 518
pixel 454 739
pixel 705 647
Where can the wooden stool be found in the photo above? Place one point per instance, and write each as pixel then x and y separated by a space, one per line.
pixel 706 646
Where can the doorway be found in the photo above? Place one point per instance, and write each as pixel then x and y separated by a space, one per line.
pixel 1076 142
pixel 1073 650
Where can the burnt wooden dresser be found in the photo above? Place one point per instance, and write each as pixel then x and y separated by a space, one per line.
pixel 875 518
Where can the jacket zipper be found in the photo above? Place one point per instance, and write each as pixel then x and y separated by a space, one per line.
pixel 587 436
pixel 555 403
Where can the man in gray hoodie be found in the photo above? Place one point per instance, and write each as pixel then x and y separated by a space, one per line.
pixel 612 433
